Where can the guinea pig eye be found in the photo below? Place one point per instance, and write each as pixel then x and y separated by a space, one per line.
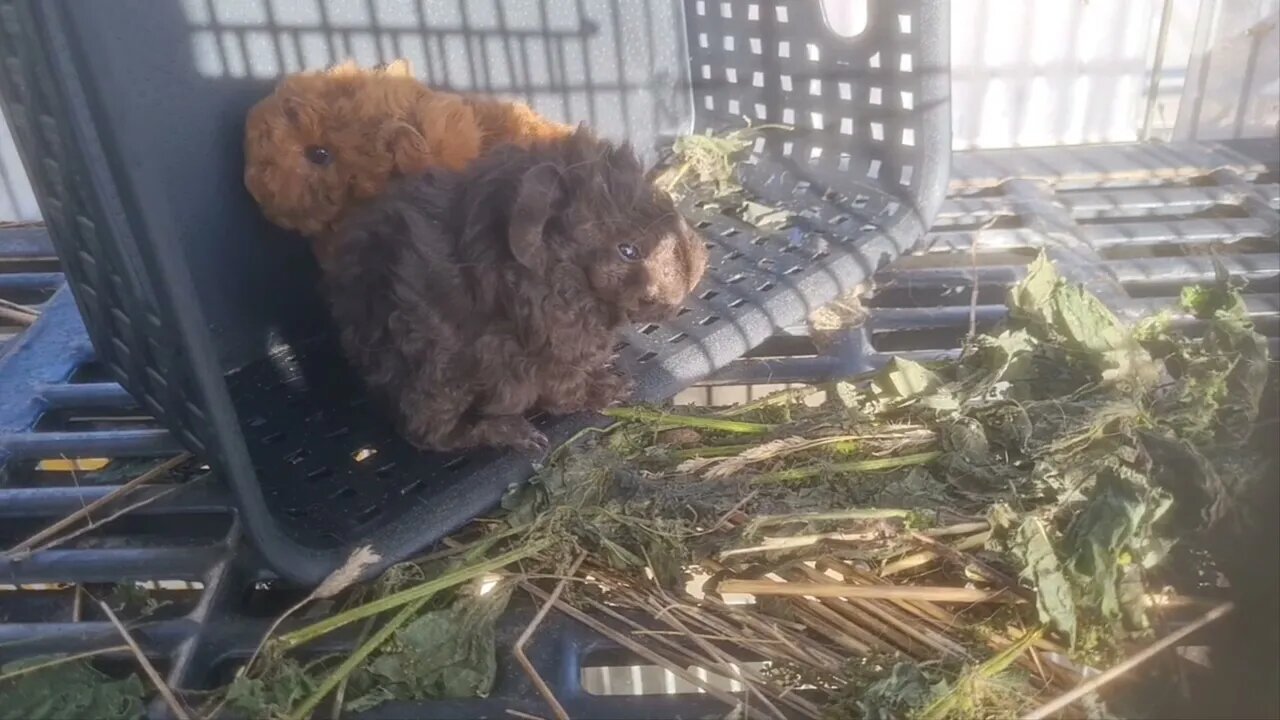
pixel 318 155
pixel 629 252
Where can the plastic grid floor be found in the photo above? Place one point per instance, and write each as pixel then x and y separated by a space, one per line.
pixel 1135 222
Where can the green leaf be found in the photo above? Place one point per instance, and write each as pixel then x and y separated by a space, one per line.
pixel 1043 570
pixel 1221 378
pixel 1049 306
pixel 904 381
pixel 283 684
pixel 1220 298
pixel 446 653
pixel 68 690
pixel 1115 528
pixel 1199 300
pixel 906 689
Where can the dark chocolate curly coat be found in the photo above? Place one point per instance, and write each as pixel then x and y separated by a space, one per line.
pixel 467 299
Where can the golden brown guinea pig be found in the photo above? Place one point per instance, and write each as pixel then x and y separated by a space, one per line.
pixel 325 141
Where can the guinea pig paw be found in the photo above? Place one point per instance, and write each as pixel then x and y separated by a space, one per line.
pixel 608 390
pixel 534 444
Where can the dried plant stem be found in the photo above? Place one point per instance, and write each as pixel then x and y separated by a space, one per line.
pixel 924 557
pixel 717 469
pixel 809 654
pixel 782 397
pixel 710 451
pixel 113 516
pixel 792 542
pixel 19 308
pixel 770 628
pixel 518 649
pixel 352 661
pixel 11 313
pixel 670 184
pixel 656 607
pixel 869 592
pixel 25 547
pixel 938 622
pixel 946 706
pixel 523 715
pixel 853 514
pixel 749 680
pixel 922 609
pixel 871 465
pixel 408 595
pixel 705 636
pixel 61 661
pixel 622 639
pixel 963 559
pixel 711 659
pixel 960 529
pixel 941 618
pixel 850 637
pixel 161 686
pixel 1096 682
pixel 868 631
pixel 760 636
pixel 886 616
pixel 689 421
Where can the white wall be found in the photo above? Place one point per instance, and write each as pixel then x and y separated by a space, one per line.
pixel 1056 72
pixel 17 202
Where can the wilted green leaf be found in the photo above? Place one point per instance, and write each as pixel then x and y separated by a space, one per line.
pixel 905 690
pixel 1220 378
pixel 282 684
pixel 1049 305
pixel 68 690
pixel 966 438
pixel 1115 528
pixel 1043 570
pixel 446 653
pixel 905 381
pixel 1046 301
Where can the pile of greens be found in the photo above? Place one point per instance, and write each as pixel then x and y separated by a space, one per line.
pixel 1055 465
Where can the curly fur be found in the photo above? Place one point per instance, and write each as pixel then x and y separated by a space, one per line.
pixel 375 125
pixel 467 299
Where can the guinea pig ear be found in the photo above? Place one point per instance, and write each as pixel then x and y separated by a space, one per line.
pixel 406 147
pixel 538 193
pixel 346 67
pixel 298 112
pixel 398 68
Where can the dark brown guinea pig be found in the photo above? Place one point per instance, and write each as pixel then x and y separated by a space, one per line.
pixel 468 299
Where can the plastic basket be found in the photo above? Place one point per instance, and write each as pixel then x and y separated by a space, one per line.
pixel 129 117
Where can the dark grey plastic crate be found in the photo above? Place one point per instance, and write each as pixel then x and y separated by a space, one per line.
pixel 129 118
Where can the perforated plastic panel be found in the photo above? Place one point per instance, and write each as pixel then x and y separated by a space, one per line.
pixel 129 116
